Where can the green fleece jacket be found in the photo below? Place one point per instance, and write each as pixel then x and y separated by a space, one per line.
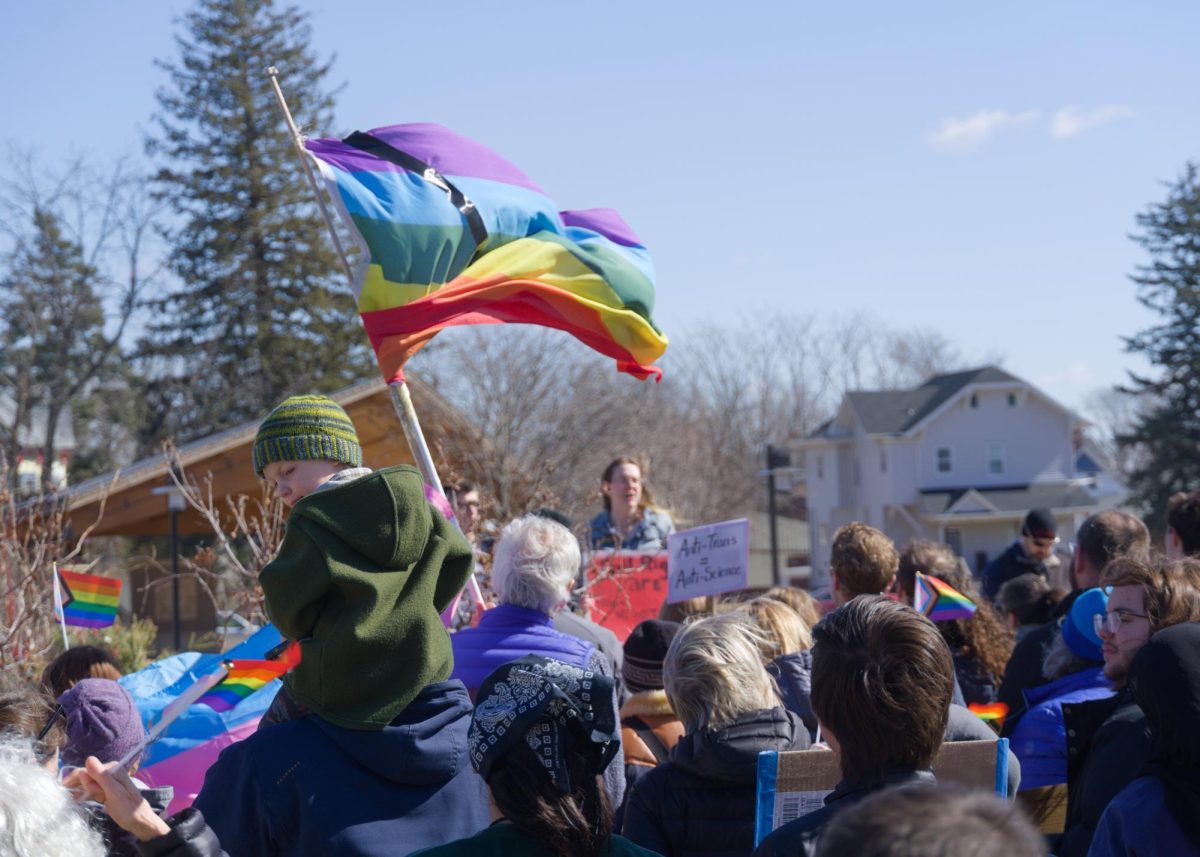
pixel 362 575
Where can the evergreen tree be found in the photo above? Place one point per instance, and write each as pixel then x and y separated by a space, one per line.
pixel 1167 434
pixel 52 340
pixel 263 309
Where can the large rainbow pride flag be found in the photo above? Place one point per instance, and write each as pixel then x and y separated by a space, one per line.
pixel 450 233
pixel 88 600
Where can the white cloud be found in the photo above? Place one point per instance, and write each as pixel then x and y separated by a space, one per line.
pixel 1072 120
pixel 957 135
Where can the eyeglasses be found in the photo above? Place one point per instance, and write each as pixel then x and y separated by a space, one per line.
pixel 1045 543
pixel 1114 619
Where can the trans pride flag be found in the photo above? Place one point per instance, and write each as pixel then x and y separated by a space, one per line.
pixel 87 600
pixel 450 233
pixel 184 752
pixel 940 601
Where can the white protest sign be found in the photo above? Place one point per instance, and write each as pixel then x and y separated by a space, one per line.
pixel 708 560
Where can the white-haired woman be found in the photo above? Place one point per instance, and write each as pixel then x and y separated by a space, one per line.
pixel 701 802
pixel 533 571
pixel 37 815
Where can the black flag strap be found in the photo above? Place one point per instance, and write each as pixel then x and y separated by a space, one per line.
pixel 385 151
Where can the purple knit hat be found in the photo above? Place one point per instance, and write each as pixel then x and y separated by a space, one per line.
pixel 102 721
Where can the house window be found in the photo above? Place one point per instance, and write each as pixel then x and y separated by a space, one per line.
pixel 883 459
pixel 995 459
pixel 974 401
pixel 1012 400
pixel 944 461
pixel 954 540
pixel 981 559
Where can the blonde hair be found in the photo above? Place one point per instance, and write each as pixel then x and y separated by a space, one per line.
pixel 799 600
pixel 714 673
pixel 784 632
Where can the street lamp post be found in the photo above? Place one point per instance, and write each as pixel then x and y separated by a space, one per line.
pixel 175 504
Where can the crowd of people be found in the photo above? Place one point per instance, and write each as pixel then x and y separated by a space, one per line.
pixel 531 730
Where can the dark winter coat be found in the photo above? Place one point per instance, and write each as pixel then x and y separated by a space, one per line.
pixel 793 674
pixel 1108 744
pixel 1014 562
pixel 976 683
pixel 307 787
pixel 799 838
pixel 702 802
pixel 189 837
pixel 1159 813
pixel 1024 670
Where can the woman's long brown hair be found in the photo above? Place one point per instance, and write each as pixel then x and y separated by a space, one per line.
pixel 578 823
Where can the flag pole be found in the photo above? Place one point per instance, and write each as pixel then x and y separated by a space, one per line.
pixel 60 608
pixel 401 399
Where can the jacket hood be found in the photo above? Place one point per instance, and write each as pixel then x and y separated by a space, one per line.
pixel 425 745
pixel 1086 679
pixel 396 529
pixel 731 753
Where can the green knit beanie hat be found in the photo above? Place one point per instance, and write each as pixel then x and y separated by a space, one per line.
pixel 305 428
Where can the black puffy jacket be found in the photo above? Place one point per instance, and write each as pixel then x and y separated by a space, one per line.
pixel 1108 744
pixel 701 802
pixel 189 837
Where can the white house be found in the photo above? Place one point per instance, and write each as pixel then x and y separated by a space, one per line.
pixel 959 459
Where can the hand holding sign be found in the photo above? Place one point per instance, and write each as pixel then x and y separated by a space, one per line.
pixel 708 560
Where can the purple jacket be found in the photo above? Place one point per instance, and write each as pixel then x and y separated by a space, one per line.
pixel 508 632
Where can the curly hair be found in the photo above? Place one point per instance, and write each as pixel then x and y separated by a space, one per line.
pixel 984 638
pixel 864 560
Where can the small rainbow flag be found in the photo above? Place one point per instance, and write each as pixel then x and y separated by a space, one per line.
pixel 88 600
pixel 940 601
pixel 245 677
pixel 989 711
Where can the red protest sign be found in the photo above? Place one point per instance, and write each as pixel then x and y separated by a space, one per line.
pixel 625 587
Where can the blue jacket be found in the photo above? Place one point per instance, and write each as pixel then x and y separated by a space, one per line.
pixel 307 787
pixel 1137 822
pixel 650 534
pixel 508 632
pixel 1040 739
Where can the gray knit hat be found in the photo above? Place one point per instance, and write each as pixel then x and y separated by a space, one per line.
pixel 306 428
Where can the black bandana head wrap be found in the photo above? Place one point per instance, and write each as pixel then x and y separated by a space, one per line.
pixel 558 710
pixel 1165 681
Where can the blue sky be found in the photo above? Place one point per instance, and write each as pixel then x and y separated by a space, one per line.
pixel 972 170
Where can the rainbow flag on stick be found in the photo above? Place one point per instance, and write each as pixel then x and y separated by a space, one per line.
pixel 988 712
pixel 244 677
pixel 940 601
pixel 450 233
pixel 88 600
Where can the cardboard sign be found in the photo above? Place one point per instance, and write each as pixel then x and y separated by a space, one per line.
pixel 626 587
pixel 708 560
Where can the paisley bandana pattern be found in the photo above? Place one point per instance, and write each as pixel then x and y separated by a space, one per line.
pixel 555 708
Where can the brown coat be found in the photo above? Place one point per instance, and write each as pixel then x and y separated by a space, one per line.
pixel 653 710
